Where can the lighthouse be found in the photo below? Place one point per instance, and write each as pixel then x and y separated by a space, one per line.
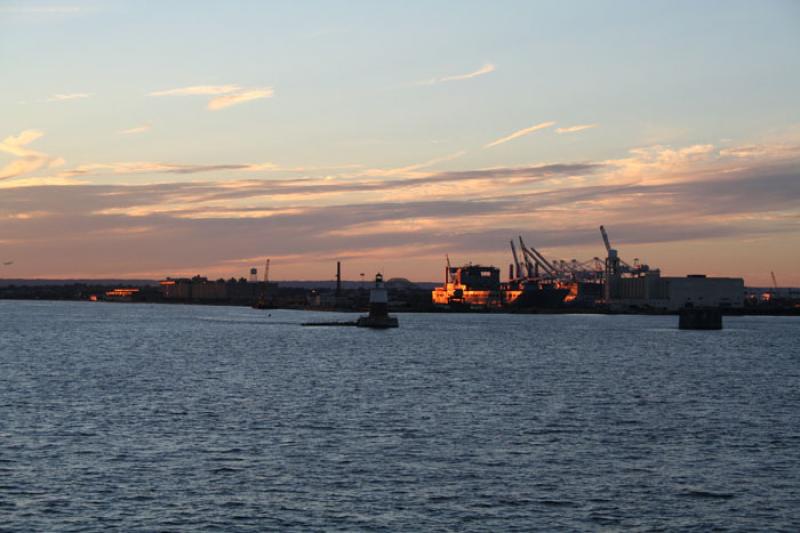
pixel 378 308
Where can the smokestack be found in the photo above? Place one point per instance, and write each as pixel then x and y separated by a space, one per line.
pixel 338 278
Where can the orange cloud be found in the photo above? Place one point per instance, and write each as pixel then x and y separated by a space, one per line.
pixel 224 95
pixel 28 160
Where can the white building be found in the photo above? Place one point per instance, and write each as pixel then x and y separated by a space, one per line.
pixel 672 293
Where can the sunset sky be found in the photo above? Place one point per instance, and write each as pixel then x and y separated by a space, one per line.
pixel 147 139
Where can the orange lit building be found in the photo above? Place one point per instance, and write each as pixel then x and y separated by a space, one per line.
pixel 477 287
pixel 122 294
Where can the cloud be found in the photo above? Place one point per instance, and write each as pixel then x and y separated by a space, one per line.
pixel 520 133
pixel 72 96
pixel 122 168
pixel 485 69
pixel 221 102
pixel 194 90
pixel 140 167
pixel 23 165
pixel 15 144
pixel 665 163
pixel 138 129
pixel 678 194
pixel 409 170
pixel 27 160
pixel 224 95
pixel 195 226
pixel 573 129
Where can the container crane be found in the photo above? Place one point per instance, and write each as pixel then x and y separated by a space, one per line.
pixel 516 258
pixel 264 300
pixel 605 239
pixel 538 259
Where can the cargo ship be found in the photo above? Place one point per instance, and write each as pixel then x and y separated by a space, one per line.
pixel 478 288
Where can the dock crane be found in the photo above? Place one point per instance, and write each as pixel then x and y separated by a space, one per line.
pixel 447 278
pixel 538 259
pixel 516 259
pixel 263 301
pixel 637 267
pixel 774 282
pixel 605 239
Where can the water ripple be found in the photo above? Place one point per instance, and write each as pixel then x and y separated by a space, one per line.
pixel 184 418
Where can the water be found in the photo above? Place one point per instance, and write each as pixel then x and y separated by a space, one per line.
pixel 150 418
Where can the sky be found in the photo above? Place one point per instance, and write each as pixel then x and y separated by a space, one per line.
pixel 153 139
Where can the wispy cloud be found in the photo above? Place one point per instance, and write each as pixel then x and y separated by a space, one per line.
pixel 221 102
pixel 27 160
pixel 521 133
pixel 197 90
pixel 485 69
pixel 144 167
pixel 411 170
pixel 15 144
pixel 71 96
pixel 573 129
pixel 138 129
pixel 224 95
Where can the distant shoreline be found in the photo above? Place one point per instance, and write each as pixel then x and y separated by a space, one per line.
pixel 433 311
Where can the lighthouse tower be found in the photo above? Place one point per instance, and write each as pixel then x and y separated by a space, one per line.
pixel 378 308
pixel 378 299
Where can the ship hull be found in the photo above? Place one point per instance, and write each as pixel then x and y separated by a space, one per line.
pixel 545 297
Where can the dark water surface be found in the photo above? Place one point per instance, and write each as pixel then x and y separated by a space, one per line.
pixel 188 418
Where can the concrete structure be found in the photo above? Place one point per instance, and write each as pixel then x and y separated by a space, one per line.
pixel 651 291
pixel 701 291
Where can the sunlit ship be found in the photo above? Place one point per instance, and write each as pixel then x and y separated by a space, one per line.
pixel 475 287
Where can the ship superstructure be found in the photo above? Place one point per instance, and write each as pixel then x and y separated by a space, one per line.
pixel 476 287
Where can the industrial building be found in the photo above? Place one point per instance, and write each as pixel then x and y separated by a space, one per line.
pixel 538 282
pixel 639 286
pixel 201 289
pixel 651 291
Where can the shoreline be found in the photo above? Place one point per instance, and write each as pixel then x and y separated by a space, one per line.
pixel 532 311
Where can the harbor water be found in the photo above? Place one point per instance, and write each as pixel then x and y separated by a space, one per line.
pixel 138 417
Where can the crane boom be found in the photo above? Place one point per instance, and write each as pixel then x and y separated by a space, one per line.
pixel 539 258
pixel 516 258
pixel 774 281
pixel 543 260
pixel 605 238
